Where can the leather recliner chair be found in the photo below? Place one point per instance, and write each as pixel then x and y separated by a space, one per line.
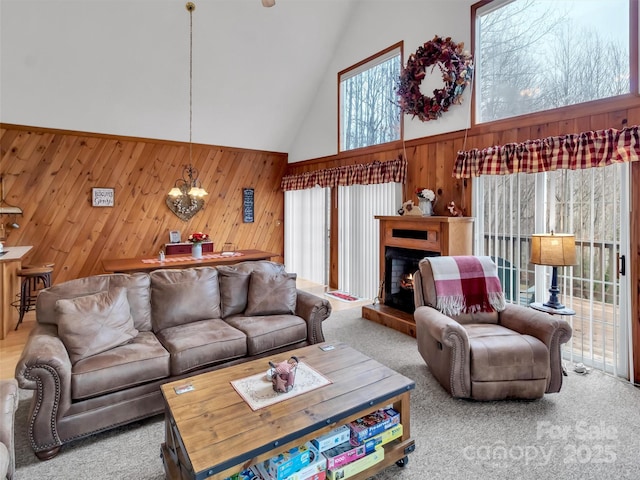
pixel 514 353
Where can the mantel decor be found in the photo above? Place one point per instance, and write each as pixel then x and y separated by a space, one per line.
pixel 426 200
pixel 456 66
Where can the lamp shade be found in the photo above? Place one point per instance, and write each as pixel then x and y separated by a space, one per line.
pixel 556 250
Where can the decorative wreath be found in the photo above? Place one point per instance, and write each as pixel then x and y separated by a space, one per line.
pixel 456 66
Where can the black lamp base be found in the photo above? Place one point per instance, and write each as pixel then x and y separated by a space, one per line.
pixel 553 301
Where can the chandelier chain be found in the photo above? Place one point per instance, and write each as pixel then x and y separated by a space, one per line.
pixel 191 8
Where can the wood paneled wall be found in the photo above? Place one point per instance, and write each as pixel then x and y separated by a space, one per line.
pixel 431 161
pixel 50 174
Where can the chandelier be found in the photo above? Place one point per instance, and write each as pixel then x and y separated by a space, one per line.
pixel 186 198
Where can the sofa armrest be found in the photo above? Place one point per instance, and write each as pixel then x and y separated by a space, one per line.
pixel 451 350
pixel 552 330
pixel 8 407
pixel 44 366
pixel 314 310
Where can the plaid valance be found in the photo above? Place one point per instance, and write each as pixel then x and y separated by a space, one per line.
pixel 574 151
pixel 361 174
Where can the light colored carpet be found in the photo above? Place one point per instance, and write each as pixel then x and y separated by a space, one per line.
pixel 590 430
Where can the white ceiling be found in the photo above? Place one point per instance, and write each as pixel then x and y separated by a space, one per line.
pixel 263 78
pixel 269 63
pixel 255 69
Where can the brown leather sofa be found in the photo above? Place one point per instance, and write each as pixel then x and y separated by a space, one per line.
pixel 94 368
pixel 8 406
pixel 514 353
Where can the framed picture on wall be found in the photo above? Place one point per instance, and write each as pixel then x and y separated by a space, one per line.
pixel 247 205
pixel 102 197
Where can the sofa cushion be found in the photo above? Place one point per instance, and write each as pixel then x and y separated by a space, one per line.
pixel 499 354
pixel 271 294
pixel 265 333
pixel 183 296
pixel 141 360
pixel 138 295
pixel 234 288
pixel 201 343
pixel 95 323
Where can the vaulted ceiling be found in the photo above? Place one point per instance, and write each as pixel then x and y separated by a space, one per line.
pixel 122 67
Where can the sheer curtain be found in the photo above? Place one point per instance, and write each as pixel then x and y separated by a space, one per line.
pixel 306 233
pixel 359 237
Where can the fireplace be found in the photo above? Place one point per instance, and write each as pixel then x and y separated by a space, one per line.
pixel 404 241
pixel 400 265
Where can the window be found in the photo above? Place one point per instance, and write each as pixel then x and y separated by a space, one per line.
pixel 368 111
pixel 534 55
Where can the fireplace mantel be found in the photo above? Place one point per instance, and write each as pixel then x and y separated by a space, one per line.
pixel 433 235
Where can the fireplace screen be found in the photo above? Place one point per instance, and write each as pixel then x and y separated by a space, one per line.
pixel 400 265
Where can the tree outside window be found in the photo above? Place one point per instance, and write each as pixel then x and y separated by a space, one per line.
pixel 535 55
pixel 369 114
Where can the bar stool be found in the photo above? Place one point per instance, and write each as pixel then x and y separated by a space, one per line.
pixel 34 279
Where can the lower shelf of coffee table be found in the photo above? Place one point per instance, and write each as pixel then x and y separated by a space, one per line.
pixel 395 453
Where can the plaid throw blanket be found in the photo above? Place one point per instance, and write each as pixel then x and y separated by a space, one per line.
pixel 466 284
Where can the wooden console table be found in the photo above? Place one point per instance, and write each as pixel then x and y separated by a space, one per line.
pixel 432 235
pixel 147 264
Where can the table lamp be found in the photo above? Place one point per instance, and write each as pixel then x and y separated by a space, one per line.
pixel 555 250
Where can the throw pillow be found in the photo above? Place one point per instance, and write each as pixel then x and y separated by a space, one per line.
pixel 234 288
pixel 94 323
pixel 271 294
pixel 181 296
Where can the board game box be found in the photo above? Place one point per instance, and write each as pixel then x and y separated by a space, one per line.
pixel 343 454
pixel 289 462
pixel 316 470
pixel 373 424
pixel 382 438
pixel 331 439
pixel 353 468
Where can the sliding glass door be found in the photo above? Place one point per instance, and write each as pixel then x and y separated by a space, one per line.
pixel 306 233
pixel 359 236
pixel 593 204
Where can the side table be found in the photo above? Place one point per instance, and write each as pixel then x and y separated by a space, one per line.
pixel 553 311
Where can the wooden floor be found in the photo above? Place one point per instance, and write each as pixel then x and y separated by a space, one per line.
pixel 11 347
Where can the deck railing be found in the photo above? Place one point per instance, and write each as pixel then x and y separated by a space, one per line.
pixel 589 288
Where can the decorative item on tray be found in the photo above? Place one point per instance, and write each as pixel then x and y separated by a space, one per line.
pixel 283 374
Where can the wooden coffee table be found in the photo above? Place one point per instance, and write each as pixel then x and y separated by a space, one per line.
pixel 211 432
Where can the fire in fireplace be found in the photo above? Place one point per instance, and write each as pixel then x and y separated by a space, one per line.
pixel 400 265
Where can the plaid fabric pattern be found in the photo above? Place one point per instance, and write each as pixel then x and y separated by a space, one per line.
pixel 361 174
pixel 574 151
pixel 466 284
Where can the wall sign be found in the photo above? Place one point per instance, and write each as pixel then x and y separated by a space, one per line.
pixel 102 197
pixel 247 205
